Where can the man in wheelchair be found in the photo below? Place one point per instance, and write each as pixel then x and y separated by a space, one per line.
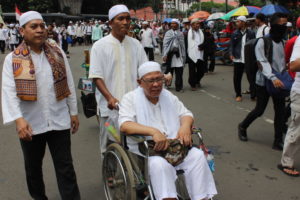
pixel 156 114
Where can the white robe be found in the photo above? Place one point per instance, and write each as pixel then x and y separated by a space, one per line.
pixel 117 64
pixel 46 113
pixel 193 50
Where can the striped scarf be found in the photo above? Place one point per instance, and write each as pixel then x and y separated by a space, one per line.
pixel 24 72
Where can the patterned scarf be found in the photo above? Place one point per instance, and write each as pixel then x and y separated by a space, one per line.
pixel 24 72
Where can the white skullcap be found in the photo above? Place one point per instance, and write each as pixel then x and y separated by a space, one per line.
pixel 117 9
pixel 242 18
pixel 176 21
pixel 145 23
pixel 148 67
pixel 11 25
pixel 289 24
pixel 195 20
pixel 28 16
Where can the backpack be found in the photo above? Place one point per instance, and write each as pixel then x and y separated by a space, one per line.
pixel 251 64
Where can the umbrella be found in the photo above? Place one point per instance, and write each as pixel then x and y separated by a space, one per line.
pixel 241 11
pixel 215 16
pixel 168 20
pixel 271 9
pixel 200 15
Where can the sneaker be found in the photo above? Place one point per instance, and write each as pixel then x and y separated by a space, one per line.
pixel 242 133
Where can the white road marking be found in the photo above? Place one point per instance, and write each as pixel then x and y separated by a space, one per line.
pixel 270 121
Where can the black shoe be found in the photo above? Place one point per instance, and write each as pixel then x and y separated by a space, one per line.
pixel 277 145
pixel 242 133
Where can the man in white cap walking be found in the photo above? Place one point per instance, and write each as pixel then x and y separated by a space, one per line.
pixel 38 94
pixel 147 39
pixel 174 53
pixel 13 37
pixel 238 41
pixel 71 32
pixel 114 64
pixel 196 54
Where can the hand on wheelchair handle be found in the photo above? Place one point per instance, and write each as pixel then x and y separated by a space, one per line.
pixel 113 103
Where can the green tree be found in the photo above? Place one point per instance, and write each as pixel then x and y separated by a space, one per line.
pixel 41 5
pixel 259 3
pixel 156 5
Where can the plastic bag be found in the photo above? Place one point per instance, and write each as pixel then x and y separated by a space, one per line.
pixel 112 126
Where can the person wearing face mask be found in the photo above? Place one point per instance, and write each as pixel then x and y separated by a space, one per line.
pixel 267 63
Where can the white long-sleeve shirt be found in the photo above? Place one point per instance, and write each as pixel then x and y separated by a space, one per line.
pixel 116 63
pixel 147 38
pixel 3 34
pixel 46 113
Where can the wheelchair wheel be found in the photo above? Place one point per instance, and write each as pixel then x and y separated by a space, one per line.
pixel 117 174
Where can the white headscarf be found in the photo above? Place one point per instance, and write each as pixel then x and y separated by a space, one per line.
pixel 117 9
pixel 28 16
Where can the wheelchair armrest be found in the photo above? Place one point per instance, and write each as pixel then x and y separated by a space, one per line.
pixel 197 132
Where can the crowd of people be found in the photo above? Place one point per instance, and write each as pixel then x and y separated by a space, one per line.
pixel 129 81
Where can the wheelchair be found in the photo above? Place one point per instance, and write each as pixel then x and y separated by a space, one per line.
pixel 125 174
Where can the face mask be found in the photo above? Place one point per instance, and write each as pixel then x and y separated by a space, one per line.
pixel 277 32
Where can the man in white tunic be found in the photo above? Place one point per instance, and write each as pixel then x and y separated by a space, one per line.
pixel 157 114
pixel 292 139
pixel 71 29
pixel 13 37
pixel 114 63
pixel 38 94
pixel 147 40
pixel 195 52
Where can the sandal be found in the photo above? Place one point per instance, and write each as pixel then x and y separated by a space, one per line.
pixel 290 171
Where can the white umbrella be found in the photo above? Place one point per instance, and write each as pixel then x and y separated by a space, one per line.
pixel 215 16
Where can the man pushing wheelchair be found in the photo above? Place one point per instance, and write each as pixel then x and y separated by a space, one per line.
pixel 156 114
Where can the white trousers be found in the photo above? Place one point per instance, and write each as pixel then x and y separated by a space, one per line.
pixel 292 138
pixel 103 137
pixel 198 177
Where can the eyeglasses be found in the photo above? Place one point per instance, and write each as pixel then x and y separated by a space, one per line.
pixel 152 81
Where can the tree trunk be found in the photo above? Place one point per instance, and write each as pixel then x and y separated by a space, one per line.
pixel 74 5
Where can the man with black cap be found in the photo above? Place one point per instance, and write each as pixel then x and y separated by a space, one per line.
pixel 38 93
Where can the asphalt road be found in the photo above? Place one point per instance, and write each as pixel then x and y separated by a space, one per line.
pixel 243 170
